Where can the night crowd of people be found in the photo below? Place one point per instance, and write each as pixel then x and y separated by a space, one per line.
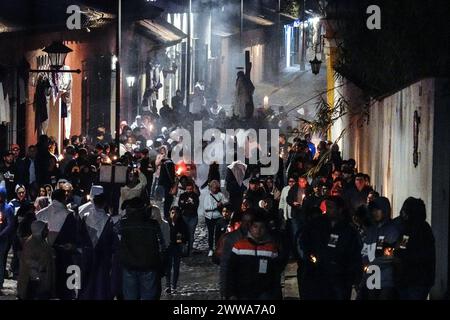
pixel 125 240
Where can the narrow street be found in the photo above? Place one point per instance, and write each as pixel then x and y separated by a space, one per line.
pixel 132 132
pixel 199 276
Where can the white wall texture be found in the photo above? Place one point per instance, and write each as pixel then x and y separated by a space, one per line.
pixel 383 147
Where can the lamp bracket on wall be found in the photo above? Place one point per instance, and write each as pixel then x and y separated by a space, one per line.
pixel 55 71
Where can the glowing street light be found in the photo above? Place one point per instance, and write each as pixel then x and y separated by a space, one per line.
pixel 130 81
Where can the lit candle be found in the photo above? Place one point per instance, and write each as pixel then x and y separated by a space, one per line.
pixel 388 252
pixel 266 102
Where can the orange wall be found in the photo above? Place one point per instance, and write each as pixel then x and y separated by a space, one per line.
pixel 88 45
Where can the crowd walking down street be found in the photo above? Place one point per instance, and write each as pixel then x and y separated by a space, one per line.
pixel 173 232
pixel 226 150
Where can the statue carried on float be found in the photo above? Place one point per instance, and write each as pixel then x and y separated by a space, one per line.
pixel 243 101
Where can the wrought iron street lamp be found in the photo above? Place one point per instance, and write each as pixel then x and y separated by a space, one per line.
pixel 57 53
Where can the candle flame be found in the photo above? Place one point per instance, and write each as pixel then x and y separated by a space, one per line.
pixel 388 252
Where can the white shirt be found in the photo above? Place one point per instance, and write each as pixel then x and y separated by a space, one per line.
pixel 283 203
pixel 209 204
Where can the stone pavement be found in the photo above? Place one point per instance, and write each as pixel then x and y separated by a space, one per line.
pixel 199 277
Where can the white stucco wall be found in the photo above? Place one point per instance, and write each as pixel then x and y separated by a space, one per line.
pixel 383 147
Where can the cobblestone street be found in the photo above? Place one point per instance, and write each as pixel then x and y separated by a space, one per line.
pixel 199 277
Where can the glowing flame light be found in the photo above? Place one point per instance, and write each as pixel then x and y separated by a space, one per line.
pixel 180 168
pixel 388 252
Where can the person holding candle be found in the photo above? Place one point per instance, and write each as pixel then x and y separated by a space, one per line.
pixel 188 203
pixel 255 193
pixel 296 195
pixel 331 261
pixel 377 248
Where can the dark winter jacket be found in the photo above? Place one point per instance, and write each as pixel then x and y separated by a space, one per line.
pixel 380 236
pixel 167 174
pixel 297 212
pixel 254 197
pixel 356 198
pixel 178 232
pixel 23 171
pixel 416 254
pixel 337 250
pixel 23 219
pixel 139 245
pixel 235 190
pixel 188 204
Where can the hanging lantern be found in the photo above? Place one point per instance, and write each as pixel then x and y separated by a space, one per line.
pixel 57 53
pixel 315 65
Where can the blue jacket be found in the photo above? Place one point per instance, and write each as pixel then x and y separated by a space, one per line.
pixel 7 219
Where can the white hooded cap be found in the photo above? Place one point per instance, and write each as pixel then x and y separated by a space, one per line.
pixel 95 191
